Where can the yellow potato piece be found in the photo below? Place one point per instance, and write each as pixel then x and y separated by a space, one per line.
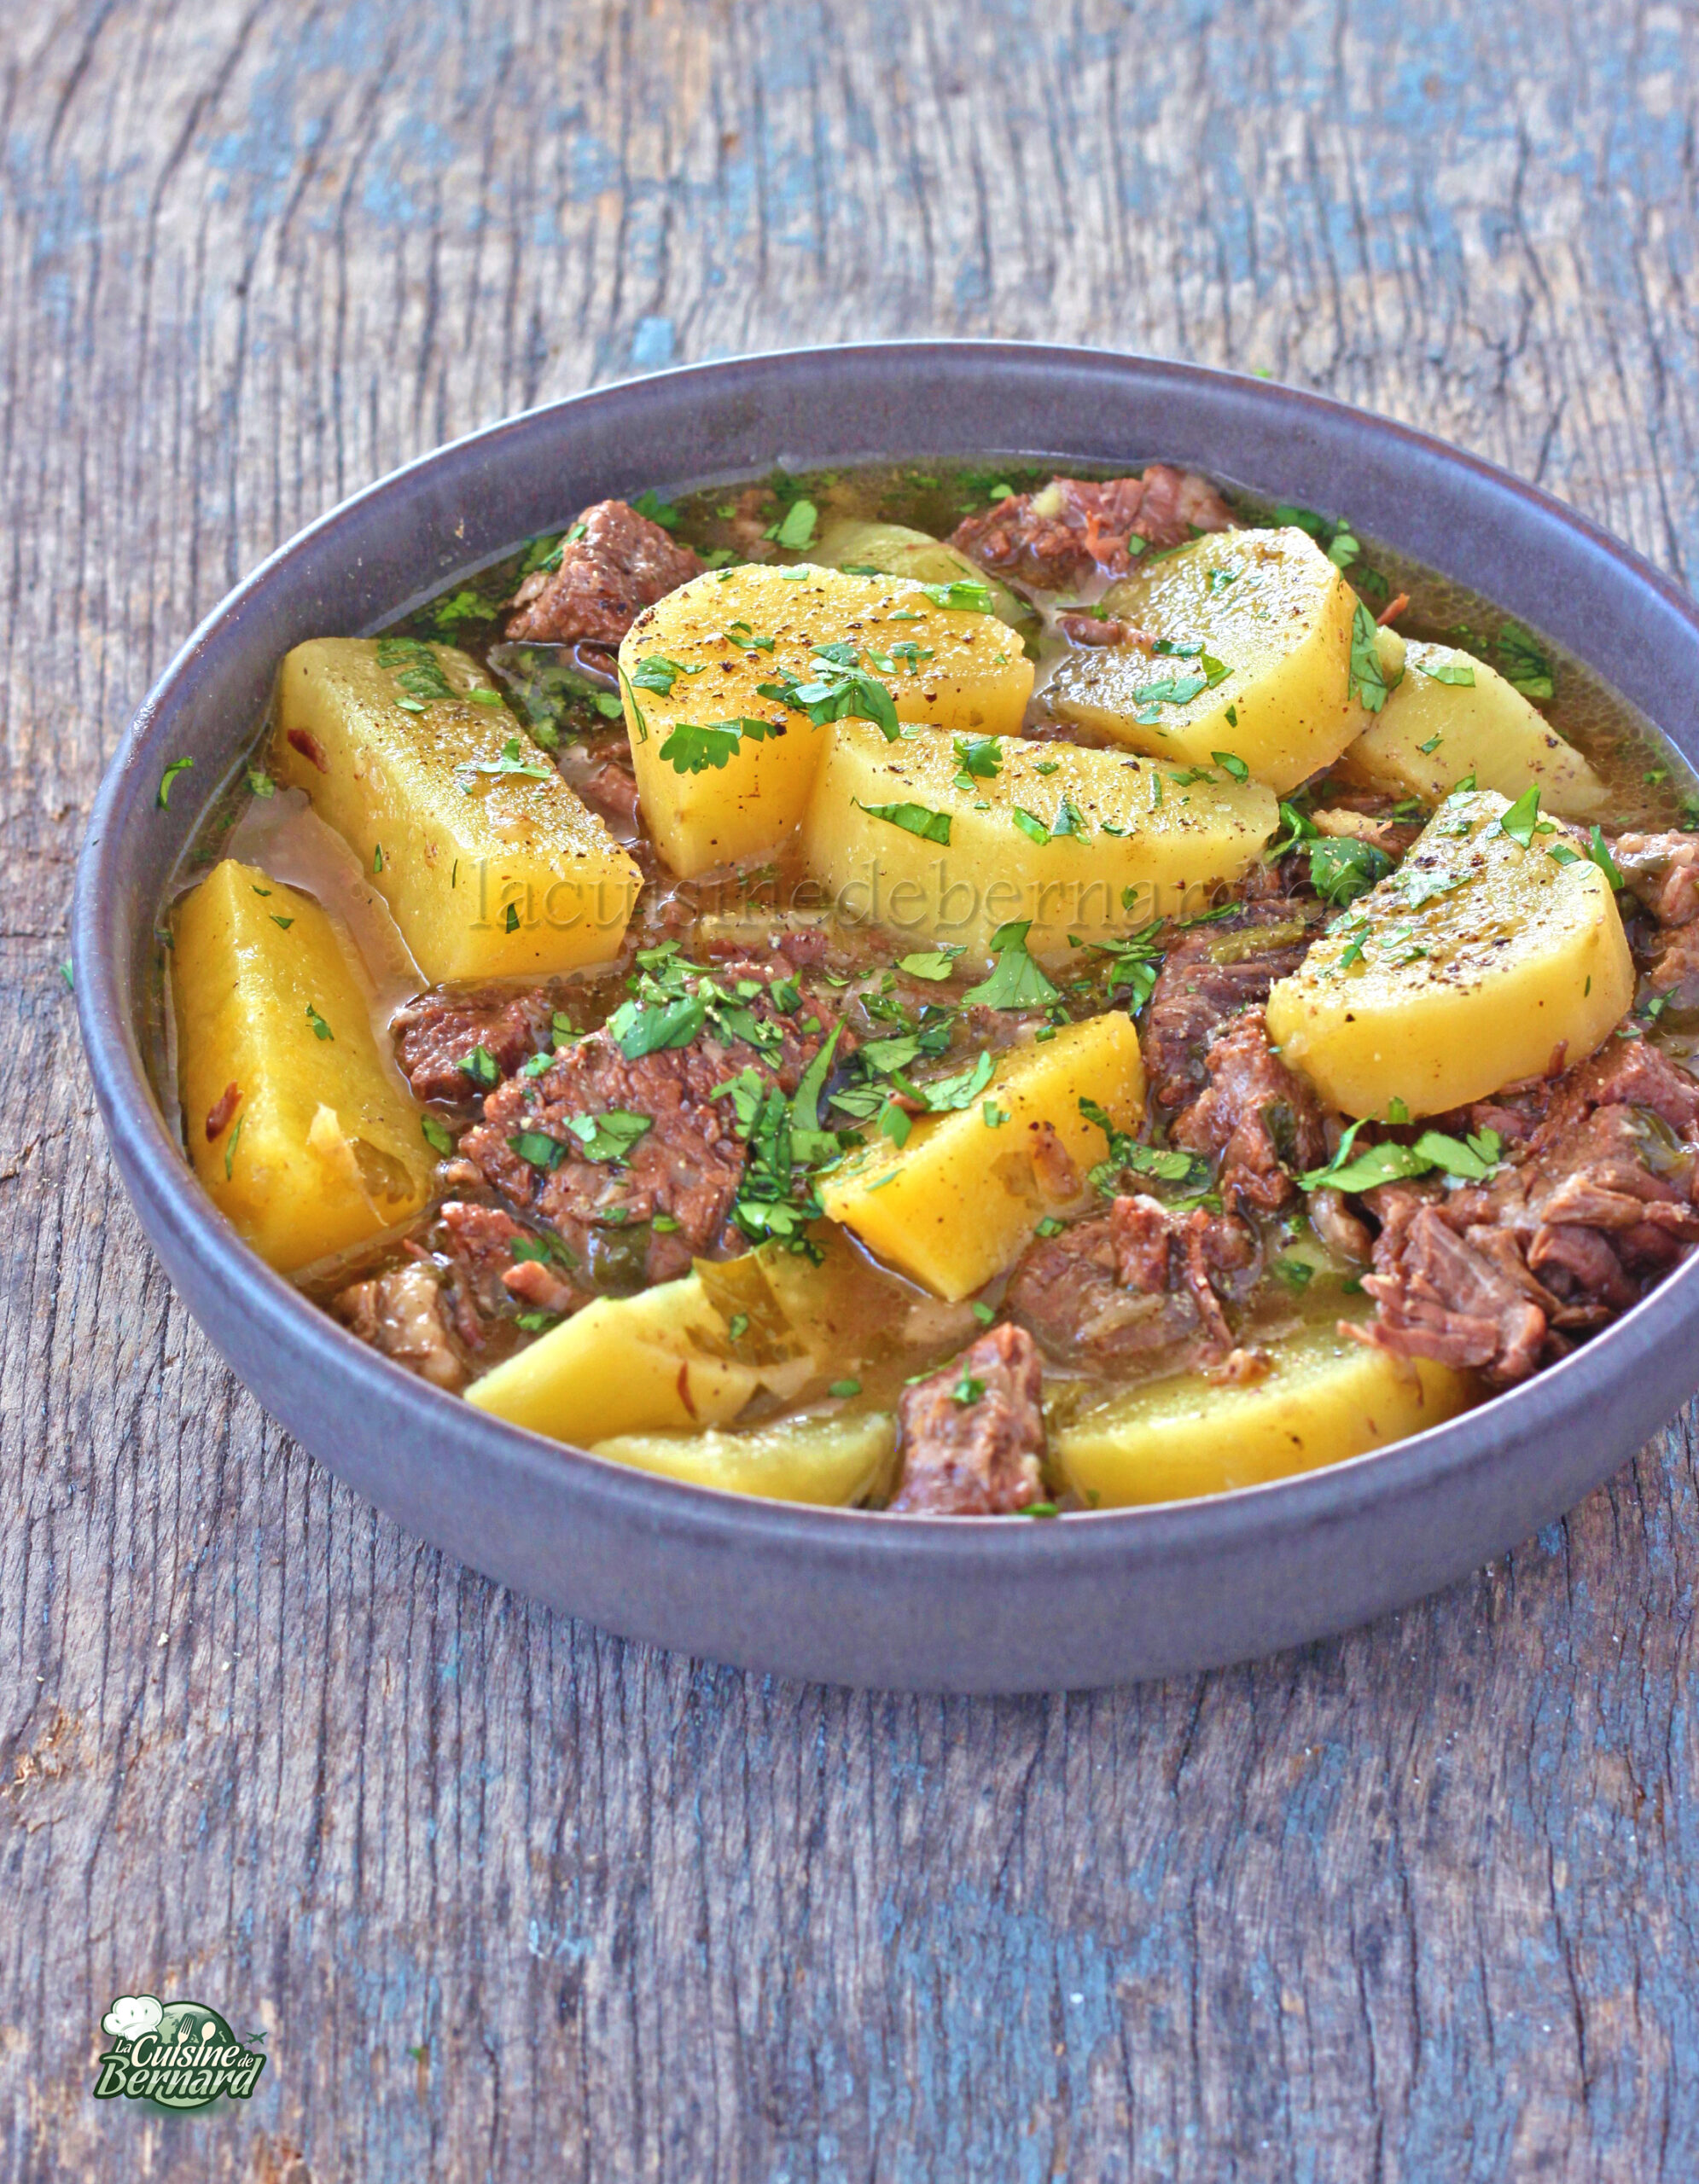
pixel 858 544
pixel 663 1361
pixel 1276 613
pixel 322 1148
pixel 488 875
pixel 1325 1399
pixel 960 1200
pixel 1431 734
pixel 1473 965
pixel 1152 843
pixel 946 666
pixel 832 1461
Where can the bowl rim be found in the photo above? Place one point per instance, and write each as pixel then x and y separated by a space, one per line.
pixel 1381 1477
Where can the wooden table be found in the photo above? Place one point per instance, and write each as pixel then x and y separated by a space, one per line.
pixel 510 1898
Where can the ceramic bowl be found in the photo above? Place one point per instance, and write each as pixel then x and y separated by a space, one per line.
pixel 860 1598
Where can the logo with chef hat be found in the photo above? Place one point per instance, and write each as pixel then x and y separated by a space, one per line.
pixel 178 2055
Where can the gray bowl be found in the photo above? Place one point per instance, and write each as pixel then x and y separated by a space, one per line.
pixel 957 1604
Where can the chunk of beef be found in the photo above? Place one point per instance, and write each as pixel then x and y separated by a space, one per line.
pixel 619 564
pixel 1134 1281
pixel 970 1439
pixel 1591 1207
pixel 1663 871
pixel 1087 627
pixel 1210 975
pixel 434 1034
pixel 685 1167
pixel 1439 1298
pixel 400 1314
pixel 1077 527
pixel 487 1277
pixel 1259 1121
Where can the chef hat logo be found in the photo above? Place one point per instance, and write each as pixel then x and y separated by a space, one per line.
pixel 131 2015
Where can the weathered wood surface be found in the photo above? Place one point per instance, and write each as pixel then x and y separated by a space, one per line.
pixel 512 1898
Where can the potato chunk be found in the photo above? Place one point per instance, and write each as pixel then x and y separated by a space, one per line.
pixel 1325 1399
pixel 493 866
pixel 1454 716
pixel 1476 963
pixel 894 550
pixel 949 842
pixel 1269 609
pixel 316 1145
pixel 665 1360
pixel 725 772
pixel 959 1201
pixel 831 1459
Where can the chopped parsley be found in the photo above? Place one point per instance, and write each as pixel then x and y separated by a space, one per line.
pixel 177 766
pixel 440 1140
pixel 694 746
pixel 659 674
pixel 1471 1161
pixel 913 818
pixel 966 595
pixel 934 963
pixel 1342 868
pixel 1016 980
pixel 838 688
pixel 640 1027
pixel 1459 672
pixel 510 763
pixel 481 1066
pixel 1368 677
pixel 1598 853
pixel 981 758
pixel 609 1137
pixel 321 1030
pixel 1231 763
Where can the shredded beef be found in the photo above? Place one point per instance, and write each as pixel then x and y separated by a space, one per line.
pixel 400 1314
pixel 1594 1203
pixel 686 1167
pixel 980 1456
pixel 619 564
pixel 434 1033
pixel 1077 527
pixel 1663 871
pixel 1262 1122
pixel 486 1279
pixel 1137 1278
pixel 1210 973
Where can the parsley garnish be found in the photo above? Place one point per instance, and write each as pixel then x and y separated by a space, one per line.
pixel 509 762
pixel 936 964
pixel 481 1066
pixel 1521 820
pixel 1343 868
pixel 609 1137
pixel 965 595
pixel 1016 981
pixel 177 766
pixel 649 503
pixel 838 688
pixel 1367 681
pixel 1471 1161
pixel 981 758
pixel 659 674
pixel 692 747
pixel 439 1140
pixel 230 1148
pixel 913 818
pixel 639 1028
pixel 321 1030
pixel 1460 672
pixel 1598 853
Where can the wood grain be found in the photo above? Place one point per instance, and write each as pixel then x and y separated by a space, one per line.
pixel 510 1898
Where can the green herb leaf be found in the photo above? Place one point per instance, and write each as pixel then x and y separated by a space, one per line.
pixel 692 747
pixel 649 503
pixel 639 1028
pixel 538 1149
pixel 797 530
pixel 965 595
pixel 935 963
pixel 912 818
pixel 1520 819
pixel 609 1137
pixel 1458 672
pixel 321 1030
pixel 1016 980
pixel 1342 868
pixel 981 758
pixel 949 1094
pixel 261 783
pixel 1367 681
pixel 1598 853
pixel 440 1140
pixel 230 1148
pixel 177 766
pixel 1231 763
pixel 1034 829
